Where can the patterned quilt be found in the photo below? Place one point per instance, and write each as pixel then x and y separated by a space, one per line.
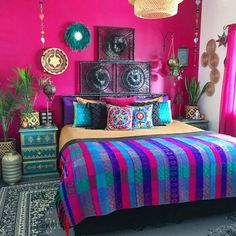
pixel 102 176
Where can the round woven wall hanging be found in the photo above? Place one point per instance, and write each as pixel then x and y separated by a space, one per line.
pixel 77 36
pixel 211 46
pixel 215 75
pixel 204 59
pixel 213 60
pixel 54 61
pixel 210 89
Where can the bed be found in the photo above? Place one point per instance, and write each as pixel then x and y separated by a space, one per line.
pixel 105 171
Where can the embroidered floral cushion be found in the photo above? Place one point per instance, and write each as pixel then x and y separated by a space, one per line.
pixel 142 117
pixel 119 118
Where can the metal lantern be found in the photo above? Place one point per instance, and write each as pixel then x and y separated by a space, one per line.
pixel 11 168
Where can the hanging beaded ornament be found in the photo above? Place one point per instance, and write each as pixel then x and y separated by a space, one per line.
pixel 196 32
pixel 41 17
pixel 53 60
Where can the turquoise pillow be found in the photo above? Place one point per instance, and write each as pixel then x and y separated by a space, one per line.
pixel 142 117
pixel 82 115
pixel 164 112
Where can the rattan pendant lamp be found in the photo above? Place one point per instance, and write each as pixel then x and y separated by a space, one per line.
pixel 155 9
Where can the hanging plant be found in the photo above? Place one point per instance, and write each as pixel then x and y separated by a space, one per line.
pixel 173 62
pixel 77 36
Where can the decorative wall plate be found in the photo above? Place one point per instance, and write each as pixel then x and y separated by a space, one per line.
pixel 54 61
pixel 133 77
pixel 115 43
pixel 77 36
pixel 97 78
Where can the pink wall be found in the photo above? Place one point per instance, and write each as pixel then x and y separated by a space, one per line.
pixel 20 44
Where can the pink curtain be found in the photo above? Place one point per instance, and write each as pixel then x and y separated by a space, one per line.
pixel 228 97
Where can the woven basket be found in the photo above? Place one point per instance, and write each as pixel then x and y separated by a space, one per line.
pixel 155 9
pixel 213 60
pixel 211 46
pixel 214 75
pixel 30 120
pixel 190 111
pixel 5 147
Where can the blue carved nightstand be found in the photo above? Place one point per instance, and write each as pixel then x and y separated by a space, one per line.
pixel 39 150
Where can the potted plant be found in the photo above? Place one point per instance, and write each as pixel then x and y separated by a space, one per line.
pixel 8 107
pixel 194 94
pixel 26 88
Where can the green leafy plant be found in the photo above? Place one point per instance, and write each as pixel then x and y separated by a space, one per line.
pixel 8 106
pixel 193 89
pixel 26 89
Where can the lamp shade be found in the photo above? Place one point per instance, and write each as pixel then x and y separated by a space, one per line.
pixel 155 9
pixel 131 1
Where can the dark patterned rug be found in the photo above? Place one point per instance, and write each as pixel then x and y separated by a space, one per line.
pixel 225 230
pixel 27 209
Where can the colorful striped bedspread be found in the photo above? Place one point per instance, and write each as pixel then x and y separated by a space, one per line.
pixel 102 176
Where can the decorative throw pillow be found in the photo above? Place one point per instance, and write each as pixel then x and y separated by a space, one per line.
pixel 119 118
pixel 121 102
pixel 84 101
pixel 98 115
pixel 68 110
pixel 155 114
pixel 157 99
pixel 142 117
pixel 164 111
pixel 82 115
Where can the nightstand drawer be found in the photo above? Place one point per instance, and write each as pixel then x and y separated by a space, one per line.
pixel 37 138
pixel 37 167
pixel 38 152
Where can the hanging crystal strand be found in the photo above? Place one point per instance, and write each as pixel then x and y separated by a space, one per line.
pixel 41 16
pixel 196 32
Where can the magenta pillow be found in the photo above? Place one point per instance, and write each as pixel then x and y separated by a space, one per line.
pixel 121 102
pixel 119 118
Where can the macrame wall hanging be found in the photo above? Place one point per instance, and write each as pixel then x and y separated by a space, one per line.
pixel 77 36
pixel 54 60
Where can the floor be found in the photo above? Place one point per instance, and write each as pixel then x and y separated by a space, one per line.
pixel 199 226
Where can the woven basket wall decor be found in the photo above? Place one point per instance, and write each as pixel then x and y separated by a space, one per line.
pixel 215 75
pixel 30 120
pixel 211 46
pixel 213 60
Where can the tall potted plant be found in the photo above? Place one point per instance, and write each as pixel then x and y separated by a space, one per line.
pixel 8 107
pixel 194 94
pixel 26 88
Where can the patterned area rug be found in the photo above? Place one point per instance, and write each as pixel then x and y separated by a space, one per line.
pixel 225 230
pixel 27 209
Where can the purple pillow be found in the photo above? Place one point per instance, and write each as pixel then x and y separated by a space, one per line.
pixel 68 110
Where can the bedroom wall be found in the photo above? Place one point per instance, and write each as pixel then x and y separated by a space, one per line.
pixel 20 39
pixel 215 14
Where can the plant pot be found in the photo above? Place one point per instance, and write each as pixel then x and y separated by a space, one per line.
pixel 11 168
pixel 190 111
pixel 30 120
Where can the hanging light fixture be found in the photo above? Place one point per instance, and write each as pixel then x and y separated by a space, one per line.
pixel 155 9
